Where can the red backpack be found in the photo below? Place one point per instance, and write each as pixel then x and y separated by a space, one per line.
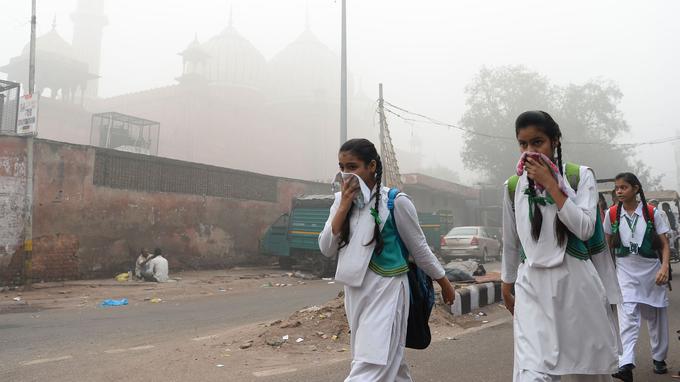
pixel 612 213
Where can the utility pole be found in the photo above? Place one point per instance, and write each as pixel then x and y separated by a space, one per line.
pixel 392 177
pixel 31 67
pixel 27 273
pixel 343 76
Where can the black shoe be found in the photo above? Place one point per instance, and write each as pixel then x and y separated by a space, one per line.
pixel 660 367
pixel 625 373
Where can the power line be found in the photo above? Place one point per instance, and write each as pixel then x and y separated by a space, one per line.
pixel 432 121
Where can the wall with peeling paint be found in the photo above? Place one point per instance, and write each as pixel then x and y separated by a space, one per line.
pixel 12 198
pixel 82 230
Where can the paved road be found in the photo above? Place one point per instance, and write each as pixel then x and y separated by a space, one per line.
pixel 48 334
pixel 486 356
pixel 66 345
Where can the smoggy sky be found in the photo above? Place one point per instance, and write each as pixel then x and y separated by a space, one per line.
pixel 424 52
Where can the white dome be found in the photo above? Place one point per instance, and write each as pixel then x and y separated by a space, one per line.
pixel 305 69
pixel 51 42
pixel 233 60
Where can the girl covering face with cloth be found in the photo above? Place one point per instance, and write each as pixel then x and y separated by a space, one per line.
pixel 555 257
pixel 636 232
pixel 371 264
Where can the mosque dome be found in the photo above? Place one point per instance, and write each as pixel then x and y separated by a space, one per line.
pixel 233 60
pixel 305 69
pixel 52 42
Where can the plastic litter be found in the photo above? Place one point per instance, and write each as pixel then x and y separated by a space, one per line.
pixel 123 277
pixel 111 302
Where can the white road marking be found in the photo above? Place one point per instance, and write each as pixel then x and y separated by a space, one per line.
pixel 269 373
pixel 115 351
pixel 46 360
pixel 205 337
pixel 142 347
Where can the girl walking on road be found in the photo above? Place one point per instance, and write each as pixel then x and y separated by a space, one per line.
pixel 371 264
pixel 556 260
pixel 636 232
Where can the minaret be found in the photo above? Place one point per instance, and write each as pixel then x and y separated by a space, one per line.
pixel 88 26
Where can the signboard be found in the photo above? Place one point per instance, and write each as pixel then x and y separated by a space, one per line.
pixel 27 119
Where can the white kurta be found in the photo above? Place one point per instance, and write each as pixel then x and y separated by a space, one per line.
pixel 643 299
pixel 637 274
pixel 376 306
pixel 563 322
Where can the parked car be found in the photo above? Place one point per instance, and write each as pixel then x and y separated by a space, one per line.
pixel 482 243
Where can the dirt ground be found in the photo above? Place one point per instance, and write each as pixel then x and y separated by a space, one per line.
pixel 84 294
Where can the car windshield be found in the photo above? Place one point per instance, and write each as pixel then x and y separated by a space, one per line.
pixel 463 231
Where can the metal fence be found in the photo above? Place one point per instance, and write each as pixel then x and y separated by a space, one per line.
pixel 9 106
pixel 152 174
pixel 125 133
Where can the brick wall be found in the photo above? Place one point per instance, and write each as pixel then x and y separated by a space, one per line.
pixel 12 204
pixel 94 208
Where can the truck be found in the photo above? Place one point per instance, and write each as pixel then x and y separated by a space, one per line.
pixel 293 237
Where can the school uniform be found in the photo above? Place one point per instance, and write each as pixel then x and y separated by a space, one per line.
pixel 564 328
pixel 376 286
pixel 643 299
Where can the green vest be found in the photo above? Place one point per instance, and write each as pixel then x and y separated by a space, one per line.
pixel 645 250
pixel 390 262
pixel 577 248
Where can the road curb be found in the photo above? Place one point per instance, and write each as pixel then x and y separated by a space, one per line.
pixel 476 296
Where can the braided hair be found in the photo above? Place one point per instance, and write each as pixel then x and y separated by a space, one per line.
pixel 545 123
pixel 633 180
pixel 366 152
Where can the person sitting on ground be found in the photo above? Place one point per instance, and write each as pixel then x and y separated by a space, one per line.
pixel 156 267
pixel 140 264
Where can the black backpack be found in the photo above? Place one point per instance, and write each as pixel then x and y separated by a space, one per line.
pixel 418 334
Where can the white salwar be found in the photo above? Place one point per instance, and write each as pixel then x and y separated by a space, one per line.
pixel 642 297
pixel 377 307
pixel 563 324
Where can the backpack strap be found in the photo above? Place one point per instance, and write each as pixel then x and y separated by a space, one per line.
pixel 391 195
pixel 651 209
pixel 573 174
pixel 512 186
pixel 612 214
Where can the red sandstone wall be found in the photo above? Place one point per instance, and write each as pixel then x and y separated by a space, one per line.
pixel 81 230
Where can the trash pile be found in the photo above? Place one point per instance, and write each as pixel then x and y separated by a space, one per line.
pixel 319 328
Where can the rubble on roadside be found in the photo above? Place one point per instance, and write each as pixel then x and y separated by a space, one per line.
pixel 318 327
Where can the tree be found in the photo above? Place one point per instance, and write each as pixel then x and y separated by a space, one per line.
pixel 588 116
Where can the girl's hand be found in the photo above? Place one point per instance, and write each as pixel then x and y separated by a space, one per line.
pixel 540 172
pixel 508 297
pixel 349 189
pixel 662 275
pixel 448 292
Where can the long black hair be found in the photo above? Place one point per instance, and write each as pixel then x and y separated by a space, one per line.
pixel 633 180
pixel 544 122
pixel 366 152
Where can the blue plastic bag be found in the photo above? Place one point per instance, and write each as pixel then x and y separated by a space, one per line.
pixel 110 302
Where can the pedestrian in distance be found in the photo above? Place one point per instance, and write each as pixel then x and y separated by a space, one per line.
pixel 636 233
pixel 556 260
pixel 367 235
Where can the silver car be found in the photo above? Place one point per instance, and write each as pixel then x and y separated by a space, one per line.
pixel 482 243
